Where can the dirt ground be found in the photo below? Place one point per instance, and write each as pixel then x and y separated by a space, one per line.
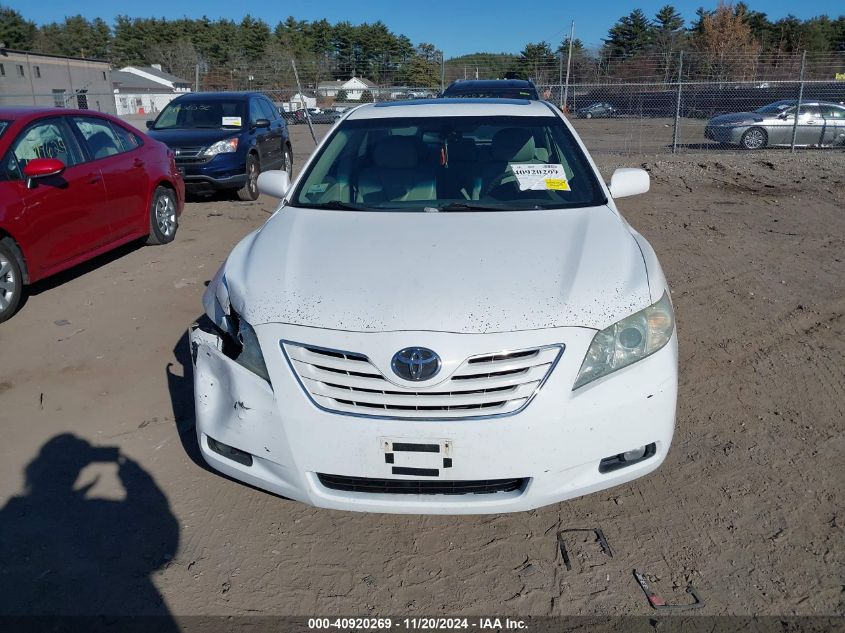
pixel 748 506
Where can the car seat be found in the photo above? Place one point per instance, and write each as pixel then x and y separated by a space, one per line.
pixel 509 145
pixel 101 145
pixel 396 174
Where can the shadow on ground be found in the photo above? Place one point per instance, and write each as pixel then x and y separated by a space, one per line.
pixel 66 553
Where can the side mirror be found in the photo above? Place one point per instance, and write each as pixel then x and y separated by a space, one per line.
pixel 262 123
pixel 627 181
pixel 274 183
pixel 43 167
pixel 150 125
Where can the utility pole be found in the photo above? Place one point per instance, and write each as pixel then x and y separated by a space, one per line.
pixel 798 104
pixel 304 103
pixel 197 78
pixel 568 64
pixel 560 78
pixel 442 72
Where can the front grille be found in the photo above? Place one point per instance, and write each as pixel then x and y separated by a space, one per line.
pixel 500 383
pixel 415 487
pixel 189 156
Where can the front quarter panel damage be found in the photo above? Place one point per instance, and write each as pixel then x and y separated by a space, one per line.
pixel 233 405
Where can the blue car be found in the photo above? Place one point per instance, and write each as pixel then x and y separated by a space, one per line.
pixel 223 140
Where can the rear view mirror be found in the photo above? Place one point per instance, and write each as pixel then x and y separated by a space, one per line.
pixel 150 125
pixel 627 181
pixel 274 183
pixel 262 123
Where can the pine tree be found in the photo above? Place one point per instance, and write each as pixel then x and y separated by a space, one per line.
pixel 15 31
pixel 632 34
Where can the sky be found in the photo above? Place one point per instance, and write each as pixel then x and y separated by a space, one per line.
pixel 457 27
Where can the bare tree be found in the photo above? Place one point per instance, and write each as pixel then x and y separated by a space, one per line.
pixel 178 58
pixel 728 44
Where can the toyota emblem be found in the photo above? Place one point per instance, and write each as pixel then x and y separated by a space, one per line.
pixel 415 364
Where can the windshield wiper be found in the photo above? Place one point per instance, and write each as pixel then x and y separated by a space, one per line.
pixel 470 206
pixel 334 205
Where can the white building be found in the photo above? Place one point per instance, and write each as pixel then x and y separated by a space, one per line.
pixel 298 101
pixel 354 88
pixel 145 89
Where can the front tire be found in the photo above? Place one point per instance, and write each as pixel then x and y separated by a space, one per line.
pixel 754 138
pixel 11 280
pixel 163 220
pixel 249 191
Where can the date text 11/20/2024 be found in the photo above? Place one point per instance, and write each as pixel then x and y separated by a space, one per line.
pixel 415 624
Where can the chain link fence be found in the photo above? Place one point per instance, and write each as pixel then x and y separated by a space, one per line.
pixel 640 104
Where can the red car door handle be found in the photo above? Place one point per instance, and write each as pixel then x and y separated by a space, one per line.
pixel 138 163
pixel 93 179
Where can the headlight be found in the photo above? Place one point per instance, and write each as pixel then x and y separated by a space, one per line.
pixel 250 357
pixel 627 341
pixel 226 146
pixel 240 342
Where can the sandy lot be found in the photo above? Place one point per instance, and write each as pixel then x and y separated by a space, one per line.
pixel 747 507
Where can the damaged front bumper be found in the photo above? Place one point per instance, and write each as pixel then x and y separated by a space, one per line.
pixel 555 447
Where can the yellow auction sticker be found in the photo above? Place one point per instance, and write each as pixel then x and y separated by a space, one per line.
pixel 557 184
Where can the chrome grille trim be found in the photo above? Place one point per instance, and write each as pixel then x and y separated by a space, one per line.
pixel 483 386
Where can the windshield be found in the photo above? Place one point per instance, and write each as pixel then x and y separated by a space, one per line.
pixel 196 114
pixel 775 108
pixel 487 163
pixel 3 126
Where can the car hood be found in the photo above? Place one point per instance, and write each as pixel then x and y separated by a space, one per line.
pixel 467 272
pixel 192 138
pixel 737 117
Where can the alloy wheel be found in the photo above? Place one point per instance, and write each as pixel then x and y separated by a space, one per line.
pixel 165 215
pixel 8 283
pixel 754 139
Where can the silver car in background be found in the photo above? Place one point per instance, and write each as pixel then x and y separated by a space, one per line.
pixel 819 123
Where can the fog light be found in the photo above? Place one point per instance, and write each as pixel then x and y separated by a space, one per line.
pixel 628 458
pixel 634 455
pixel 230 452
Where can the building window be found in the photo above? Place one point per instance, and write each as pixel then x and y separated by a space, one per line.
pixel 104 75
pixel 20 71
pixel 38 72
pixel 2 70
pixel 59 98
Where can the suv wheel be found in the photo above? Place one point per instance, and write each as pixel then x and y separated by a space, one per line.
pixel 250 189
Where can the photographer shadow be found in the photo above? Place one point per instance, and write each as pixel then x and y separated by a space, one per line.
pixel 66 553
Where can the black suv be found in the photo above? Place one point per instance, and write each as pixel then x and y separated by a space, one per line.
pixel 223 140
pixel 492 89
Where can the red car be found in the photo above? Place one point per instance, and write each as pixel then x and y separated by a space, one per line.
pixel 75 184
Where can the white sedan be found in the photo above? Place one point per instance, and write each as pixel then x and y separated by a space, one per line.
pixel 446 314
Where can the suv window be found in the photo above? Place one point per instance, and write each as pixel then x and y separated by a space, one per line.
pixel 49 138
pixel 268 110
pixel 196 112
pixel 255 112
pixel 100 138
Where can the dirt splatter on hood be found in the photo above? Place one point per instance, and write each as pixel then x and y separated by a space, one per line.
pixel 451 272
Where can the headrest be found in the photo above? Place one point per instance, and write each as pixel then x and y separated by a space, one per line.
pixel 396 152
pixel 463 150
pixel 513 144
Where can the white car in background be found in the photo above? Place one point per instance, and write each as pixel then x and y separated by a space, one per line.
pixel 446 314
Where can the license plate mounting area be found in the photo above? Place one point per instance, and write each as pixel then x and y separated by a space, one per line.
pixel 415 457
